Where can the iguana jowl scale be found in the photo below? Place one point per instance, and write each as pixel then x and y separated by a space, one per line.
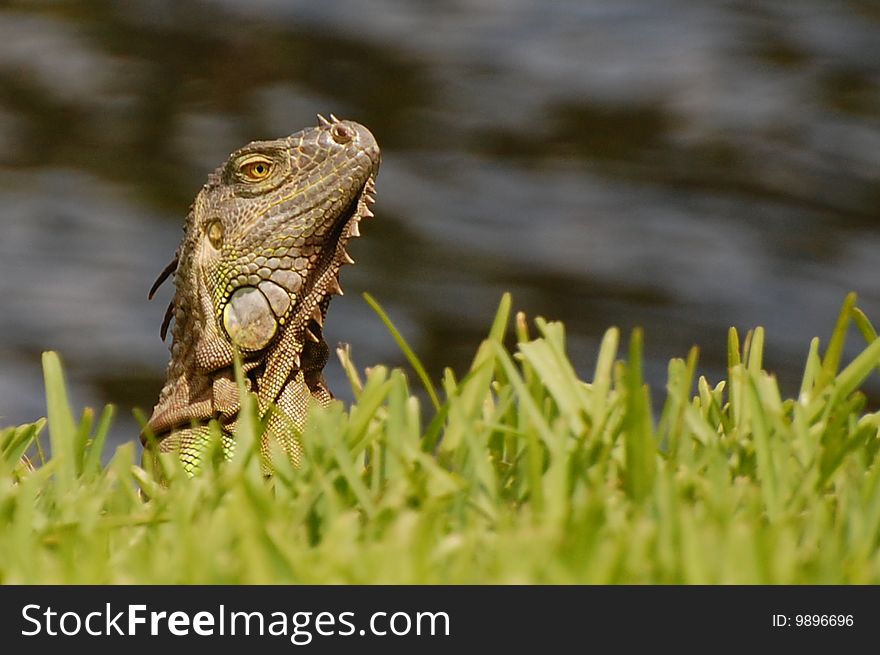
pixel 263 244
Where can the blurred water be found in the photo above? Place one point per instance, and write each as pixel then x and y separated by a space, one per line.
pixel 675 164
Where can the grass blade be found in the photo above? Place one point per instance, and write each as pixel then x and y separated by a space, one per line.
pixel 407 351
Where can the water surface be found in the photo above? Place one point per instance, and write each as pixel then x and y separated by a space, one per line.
pixel 674 164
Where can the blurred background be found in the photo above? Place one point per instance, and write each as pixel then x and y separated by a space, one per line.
pixel 675 164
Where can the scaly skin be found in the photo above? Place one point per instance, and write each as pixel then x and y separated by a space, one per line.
pixel 259 261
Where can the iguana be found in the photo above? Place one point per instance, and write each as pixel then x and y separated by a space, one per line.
pixel 259 261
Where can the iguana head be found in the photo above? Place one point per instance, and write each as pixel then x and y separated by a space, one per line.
pixel 264 241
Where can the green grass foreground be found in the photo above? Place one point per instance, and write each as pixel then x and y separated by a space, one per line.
pixel 526 474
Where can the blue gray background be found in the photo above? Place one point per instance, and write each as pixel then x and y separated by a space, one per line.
pixel 676 164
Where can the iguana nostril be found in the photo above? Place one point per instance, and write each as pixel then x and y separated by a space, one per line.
pixel 341 133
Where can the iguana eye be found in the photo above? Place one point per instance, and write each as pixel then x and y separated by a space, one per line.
pixel 255 169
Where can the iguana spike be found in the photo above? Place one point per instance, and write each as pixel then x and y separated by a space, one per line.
pixel 348 259
pixel 311 336
pixel 354 230
pixel 333 118
pixel 169 313
pixel 333 287
pixel 317 316
pixel 168 270
pixel 323 120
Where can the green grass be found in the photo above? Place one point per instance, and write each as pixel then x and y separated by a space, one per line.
pixel 524 474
